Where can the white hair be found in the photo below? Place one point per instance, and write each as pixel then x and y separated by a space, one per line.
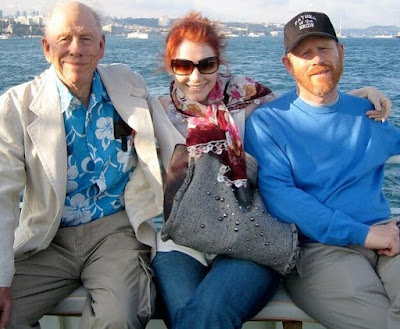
pixel 91 4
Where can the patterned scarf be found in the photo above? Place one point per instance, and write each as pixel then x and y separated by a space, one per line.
pixel 211 127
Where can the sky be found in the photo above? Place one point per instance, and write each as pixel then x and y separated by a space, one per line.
pixel 350 14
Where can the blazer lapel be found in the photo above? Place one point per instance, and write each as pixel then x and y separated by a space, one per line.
pixel 131 104
pixel 134 111
pixel 47 133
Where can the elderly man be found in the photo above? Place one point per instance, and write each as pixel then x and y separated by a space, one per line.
pixel 78 141
pixel 321 166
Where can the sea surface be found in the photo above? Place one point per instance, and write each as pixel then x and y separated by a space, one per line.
pixel 368 62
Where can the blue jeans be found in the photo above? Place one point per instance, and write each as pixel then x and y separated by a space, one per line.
pixel 221 296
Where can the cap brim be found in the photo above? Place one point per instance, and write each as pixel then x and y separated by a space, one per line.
pixel 322 34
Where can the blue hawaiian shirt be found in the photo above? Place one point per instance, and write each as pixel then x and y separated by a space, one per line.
pixel 99 165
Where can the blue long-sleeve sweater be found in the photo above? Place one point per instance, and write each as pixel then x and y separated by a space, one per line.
pixel 322 168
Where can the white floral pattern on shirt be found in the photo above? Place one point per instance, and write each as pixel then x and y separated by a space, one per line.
pixel 79 210
pixel 105 131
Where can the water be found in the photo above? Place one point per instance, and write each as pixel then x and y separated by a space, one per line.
pixel 368 62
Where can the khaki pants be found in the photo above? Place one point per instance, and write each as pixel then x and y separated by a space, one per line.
pixel 347 287
pixel 104 256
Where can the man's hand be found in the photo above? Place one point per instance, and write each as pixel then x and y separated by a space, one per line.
pixel 5 306
pixel 384 238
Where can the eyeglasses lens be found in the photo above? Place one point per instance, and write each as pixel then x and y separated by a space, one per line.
pixel 185 67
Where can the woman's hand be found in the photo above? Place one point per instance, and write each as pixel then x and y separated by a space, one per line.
pixel 382 104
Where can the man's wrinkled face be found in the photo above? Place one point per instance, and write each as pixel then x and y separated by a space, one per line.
pixel 74 45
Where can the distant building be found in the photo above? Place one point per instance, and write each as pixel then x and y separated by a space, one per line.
pixel 1 14
pixel 9 29
pixel 115 29
pixel 30 20
pixel 37 19
pixel 164 21
pixel 22 20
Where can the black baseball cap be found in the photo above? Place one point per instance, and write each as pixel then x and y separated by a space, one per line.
pixel 306 24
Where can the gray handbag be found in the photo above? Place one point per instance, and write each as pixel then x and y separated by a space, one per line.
pixel 214 218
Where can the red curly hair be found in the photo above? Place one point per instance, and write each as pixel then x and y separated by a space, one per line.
pixel 196 28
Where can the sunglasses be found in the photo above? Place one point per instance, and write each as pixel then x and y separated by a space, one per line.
pixel 207 65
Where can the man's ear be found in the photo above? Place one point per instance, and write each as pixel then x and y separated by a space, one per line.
pixel 46 49
pixel 102 46
pixel 287 64
pixel 341 50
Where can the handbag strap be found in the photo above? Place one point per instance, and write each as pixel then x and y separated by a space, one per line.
pixel 176 174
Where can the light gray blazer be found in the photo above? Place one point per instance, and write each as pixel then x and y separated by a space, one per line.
pixel 33 158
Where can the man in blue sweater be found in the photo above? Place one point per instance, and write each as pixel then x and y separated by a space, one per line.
pixel 321 166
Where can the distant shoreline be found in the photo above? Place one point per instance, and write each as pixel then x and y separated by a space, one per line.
pixel 33 26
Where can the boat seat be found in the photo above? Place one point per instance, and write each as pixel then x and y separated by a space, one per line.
pixel 279 309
